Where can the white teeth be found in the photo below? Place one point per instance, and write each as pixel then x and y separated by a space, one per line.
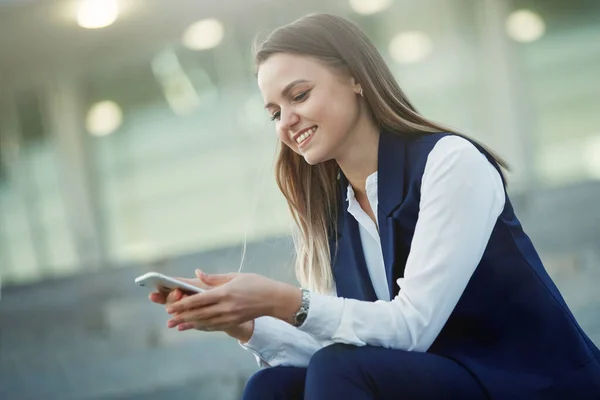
pixel 305 135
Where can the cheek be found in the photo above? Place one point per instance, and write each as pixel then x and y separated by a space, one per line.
pixel 284 137
pixel 338 118
pixel 336 109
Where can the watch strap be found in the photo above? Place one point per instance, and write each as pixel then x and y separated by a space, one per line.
pixel 302 313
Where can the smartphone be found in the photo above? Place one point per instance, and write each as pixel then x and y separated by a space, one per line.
pixel 160 282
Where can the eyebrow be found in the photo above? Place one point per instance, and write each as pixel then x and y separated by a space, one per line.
pixel 286 89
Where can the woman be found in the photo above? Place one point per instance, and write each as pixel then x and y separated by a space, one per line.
pixel 440 293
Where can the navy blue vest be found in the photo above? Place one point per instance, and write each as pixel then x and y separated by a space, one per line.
pixel 511 327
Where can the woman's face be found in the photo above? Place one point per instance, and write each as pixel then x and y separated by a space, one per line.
pixel 314 107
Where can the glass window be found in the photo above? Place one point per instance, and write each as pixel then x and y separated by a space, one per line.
pixel 560 74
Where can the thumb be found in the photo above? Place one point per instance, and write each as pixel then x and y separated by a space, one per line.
pixel 214 279
pixel 195 282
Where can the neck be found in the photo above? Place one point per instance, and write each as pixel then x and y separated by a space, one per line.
pixel 359 155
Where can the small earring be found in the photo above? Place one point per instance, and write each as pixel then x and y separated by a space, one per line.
pixel 361 92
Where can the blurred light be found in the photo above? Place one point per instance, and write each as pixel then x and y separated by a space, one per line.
pixel 104 118
pixel 525 26
pixel 204 34
pixel 94 14
pixel 559 161
pixel 142 251
pixel 177 87
pixel 367 7
pixel 410 47
pixel 592 156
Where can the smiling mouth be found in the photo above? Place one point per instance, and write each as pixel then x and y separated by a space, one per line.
pixel 303 137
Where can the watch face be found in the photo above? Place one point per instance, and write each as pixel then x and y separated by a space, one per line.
pixel 301 318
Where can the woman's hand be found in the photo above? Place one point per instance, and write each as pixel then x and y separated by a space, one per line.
pixel 242 332
pixel 234 300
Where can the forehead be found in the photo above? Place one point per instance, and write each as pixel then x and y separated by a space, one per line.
pixel 280 69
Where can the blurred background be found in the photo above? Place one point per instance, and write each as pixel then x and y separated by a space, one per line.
pixel 133 138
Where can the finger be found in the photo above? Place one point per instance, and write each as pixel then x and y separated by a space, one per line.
pixel 198 314
pixel 195 301
pixel 178 320
pixel 157 297
pixel 219 323
pixel 185 327
pixel 183 296
pixel 172 323
pixel 214 279
pixel 173 296
pixel 197 326
pixel 195 282
pixel 210 315
pixel 200 325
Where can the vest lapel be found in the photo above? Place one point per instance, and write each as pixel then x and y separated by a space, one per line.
pixel 390 188
pixel 364 284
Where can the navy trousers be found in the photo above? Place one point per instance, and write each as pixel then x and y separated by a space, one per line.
pixel 348 372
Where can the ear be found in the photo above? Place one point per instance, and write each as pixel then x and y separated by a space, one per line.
pixel 355 85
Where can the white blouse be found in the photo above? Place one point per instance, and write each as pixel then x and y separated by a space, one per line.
pixel 462 196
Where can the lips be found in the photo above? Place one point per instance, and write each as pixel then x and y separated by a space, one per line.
pixel 304 134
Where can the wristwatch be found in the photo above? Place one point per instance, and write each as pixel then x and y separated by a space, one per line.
pixel 300 316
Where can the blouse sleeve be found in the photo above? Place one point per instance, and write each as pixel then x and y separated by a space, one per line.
pixel 277 343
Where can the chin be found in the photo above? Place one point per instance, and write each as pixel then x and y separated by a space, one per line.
pixel 314 159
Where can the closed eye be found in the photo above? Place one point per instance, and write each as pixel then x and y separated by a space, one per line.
pixel 302 96
pixel 299 98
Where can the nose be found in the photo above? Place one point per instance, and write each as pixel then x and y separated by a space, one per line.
pixel 288 119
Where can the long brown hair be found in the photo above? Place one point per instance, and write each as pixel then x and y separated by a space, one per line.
pixel 311 191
